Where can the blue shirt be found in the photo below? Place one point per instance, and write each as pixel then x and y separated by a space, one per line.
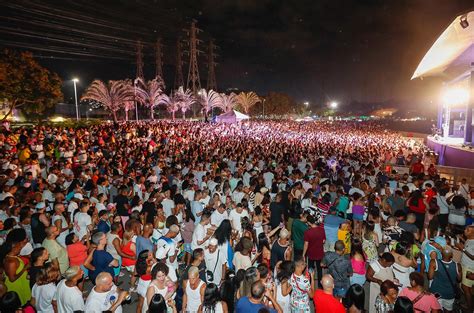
pixel 103 226
pixel 142 244
pixel 101 260
pixel 331 226
pixel 245 306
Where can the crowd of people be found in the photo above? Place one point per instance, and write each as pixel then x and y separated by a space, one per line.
pixel 267 216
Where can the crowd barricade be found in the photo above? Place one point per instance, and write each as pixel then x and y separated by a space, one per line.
pixel 453 175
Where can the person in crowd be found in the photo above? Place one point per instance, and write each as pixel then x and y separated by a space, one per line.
pixel 421 299
pixel 297 232
pixel 281 249
pixel 242 257
pixel 403 305
pixel 15 270
pixel 250 276
pixel 61 223
pixel 385 301
pixel 160 284
pixel 324 300
pixel 159 304
pixel 314 240
pixel 105 296
pixel 43 294
pixel 358 262
pixel 467 264
pixel 302 286
pixel 215 263
pixel 355 299
pixel 10 303
pixel 39 256
pixel 57 253
pixel 68 296
pixel 339 267
pixel 211 301
pixel 99 260
pixel 254 303
pixel 193 289
pixel 378 272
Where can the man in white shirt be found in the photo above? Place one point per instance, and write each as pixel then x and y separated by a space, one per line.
pixel 105 296
pixel 68 296
pixel 202 232
pixel 167 203
pixel 236 216
pixel 167 250
pixel 215 261
pixel 219 215
pixel 268 178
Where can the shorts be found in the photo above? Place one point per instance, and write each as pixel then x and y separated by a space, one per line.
pixel 187 248
pixel 466 281
pixel 358 279
pixel 446 304
pixel 117 269
pixel 142 287
pixel 339 292
pixel 85 270
pixel 358 217
pixel 459 220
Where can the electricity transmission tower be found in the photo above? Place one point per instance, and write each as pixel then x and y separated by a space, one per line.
pixel 211 65
pixel 139 50
pixel 158 59
pixel 178 77
pixel 193 82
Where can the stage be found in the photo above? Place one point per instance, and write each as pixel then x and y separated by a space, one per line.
pixel 451 151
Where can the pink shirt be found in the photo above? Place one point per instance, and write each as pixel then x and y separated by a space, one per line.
pixel 358 266
pixel 427 303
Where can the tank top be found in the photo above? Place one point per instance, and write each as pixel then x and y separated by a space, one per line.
pixel 277 253
pixel 358 209
pixel 358 266
pixel 194 297
pixel 110 248
pixel 156 290
pixel 217 308
pixel 283 301
pixel 127 250
pixel 38 230
pixel 441 282
pixel 22 285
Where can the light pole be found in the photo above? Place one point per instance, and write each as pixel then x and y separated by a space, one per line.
pixel 263 108
pixel 76 80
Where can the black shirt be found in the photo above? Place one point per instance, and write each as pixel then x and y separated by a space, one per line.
pixel 121 201
pixel 150 209
pixel 276 210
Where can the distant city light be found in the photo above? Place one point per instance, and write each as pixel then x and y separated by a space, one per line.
pixel 333 105
pixel 76 80
pixel 306 103
pixel 454 96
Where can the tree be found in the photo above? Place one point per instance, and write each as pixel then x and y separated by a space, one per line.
pixel 113 96
pixel 228 102
pixel 209 100
pixel 184 99
pixel 247 100
pixel 276 104
pixel 128 106
pixel 150 94
pixel 25 83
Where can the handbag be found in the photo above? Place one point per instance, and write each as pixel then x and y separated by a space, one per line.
pixel 210 274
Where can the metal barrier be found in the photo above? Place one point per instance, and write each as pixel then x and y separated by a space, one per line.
pixel 453 175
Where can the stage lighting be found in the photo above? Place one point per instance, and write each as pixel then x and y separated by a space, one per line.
pixel 463 21
pixel 454 96
pixel 333 105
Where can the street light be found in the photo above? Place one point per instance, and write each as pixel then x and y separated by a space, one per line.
pixel 333 105
pixel 75 81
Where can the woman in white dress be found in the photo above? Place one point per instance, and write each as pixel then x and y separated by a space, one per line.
pixel 212 301
pixel 282 287
pixel 160 284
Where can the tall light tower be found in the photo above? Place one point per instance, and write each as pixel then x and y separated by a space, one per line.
pixel 211 65
pixel 178 77
pixel 139 73
pixel 75 81
pixel 158 59
pixel 193 82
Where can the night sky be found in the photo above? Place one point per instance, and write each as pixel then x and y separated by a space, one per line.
pixel 314 50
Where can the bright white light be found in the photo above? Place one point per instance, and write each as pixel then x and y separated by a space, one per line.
pixel 57 119
pixel 333 105
pixel 76 80
pixel 454 96
pixel 306 103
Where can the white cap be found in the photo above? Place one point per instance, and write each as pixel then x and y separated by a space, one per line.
pixel 40 205
pixel 78 196
pixel 52 178
pixel 213 242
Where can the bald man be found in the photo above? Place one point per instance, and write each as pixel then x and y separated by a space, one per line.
pixel 57 253
pixel 324 301
pixel 105 296
pixel 445 275
pixel 143 242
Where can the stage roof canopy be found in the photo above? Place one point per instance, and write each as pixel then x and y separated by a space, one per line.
pixel 452 53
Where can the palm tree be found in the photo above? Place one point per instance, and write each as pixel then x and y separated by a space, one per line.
pixel 247 100
pixel 228 102
pixel 209 100
pixel 184 99
pixel 128 106
pixel 112 95
pixel 150 94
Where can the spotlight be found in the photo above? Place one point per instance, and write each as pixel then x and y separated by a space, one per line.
pixel 463 21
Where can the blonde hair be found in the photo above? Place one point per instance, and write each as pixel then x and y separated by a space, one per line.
pixel 48 274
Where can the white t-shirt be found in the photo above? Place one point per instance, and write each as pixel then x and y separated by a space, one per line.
pixel 168 206
pixel 99 302
pixel 166 249
pixel 81 221
pixel 100 207
pixel 199 233
pixel 217 218
pixel 213 262
pixel 44 295
pixel 236 217
pixel 466 262
pixel 241 261
pixel 69 299
pixel 62 236
pixel 268 178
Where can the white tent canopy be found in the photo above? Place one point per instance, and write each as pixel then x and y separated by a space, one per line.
pixel 452 53
pixel 232 116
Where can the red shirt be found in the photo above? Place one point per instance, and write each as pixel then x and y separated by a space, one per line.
pixel 420 208
pixel 315 236
pixel 327 303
